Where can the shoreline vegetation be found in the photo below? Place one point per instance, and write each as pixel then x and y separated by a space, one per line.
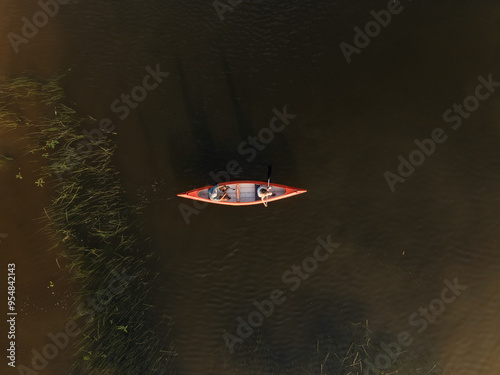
pixel 92 220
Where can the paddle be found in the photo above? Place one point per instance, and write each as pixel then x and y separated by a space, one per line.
pixel 269 168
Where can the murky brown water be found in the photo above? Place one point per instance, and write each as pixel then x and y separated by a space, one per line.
pixel 353 120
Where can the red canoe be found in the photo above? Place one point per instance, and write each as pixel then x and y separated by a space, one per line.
pixel 244 193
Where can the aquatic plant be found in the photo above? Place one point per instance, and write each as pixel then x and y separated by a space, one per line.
pixel 4 160
pixel 39 182
pixel 98 228
pixel 348 351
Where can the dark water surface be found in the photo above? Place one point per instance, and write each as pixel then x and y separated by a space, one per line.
pixel 398 250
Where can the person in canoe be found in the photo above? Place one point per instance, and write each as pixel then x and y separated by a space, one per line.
pixel 218 193
pixel 263 192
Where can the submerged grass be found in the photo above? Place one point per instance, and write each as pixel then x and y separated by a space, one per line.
pixel 121 332
pixel 351 350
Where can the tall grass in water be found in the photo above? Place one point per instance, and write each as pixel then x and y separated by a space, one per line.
pixel 91 216
pixel 349 350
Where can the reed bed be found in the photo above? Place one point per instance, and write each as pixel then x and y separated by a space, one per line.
pixel 121 331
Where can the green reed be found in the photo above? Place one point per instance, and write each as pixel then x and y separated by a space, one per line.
pixel 98 229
